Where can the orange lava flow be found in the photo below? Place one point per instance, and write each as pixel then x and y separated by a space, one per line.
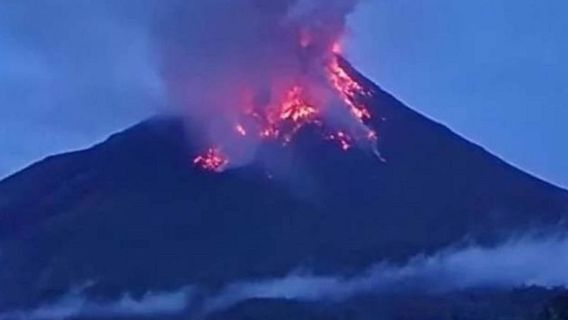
pixel 290 115
pixel 212 160
pixel 295 108
pixel 349 90
pixel 282 119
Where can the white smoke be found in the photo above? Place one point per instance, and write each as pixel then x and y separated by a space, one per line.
pixel 516 263
pixel 520 262
pixel 76 304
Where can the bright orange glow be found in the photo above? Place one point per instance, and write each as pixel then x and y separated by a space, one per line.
pixel 285 118
pixel 349 90
pixel 295 108
pixel 305 103
pixel 291 114
pixel 211 160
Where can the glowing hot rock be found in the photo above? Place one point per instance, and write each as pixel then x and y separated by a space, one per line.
pixel 282 118
pixel 212 160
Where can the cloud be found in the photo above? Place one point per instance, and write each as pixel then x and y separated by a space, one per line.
pixel 225 70
pixel 526 261
pixel 77 305
pixel 519 262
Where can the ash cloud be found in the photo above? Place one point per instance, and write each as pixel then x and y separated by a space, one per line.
pixel 80 69
pixel 526 261
pixel 222 56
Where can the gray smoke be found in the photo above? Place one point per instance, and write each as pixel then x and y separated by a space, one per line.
pixel 80 69
pixel 223 56
pixel 539 261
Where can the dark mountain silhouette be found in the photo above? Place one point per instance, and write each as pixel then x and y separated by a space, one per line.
pixel 133 214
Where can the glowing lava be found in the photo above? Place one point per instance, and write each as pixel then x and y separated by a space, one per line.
pixel 295 108
pixel 289 116
pixel 349 90
pixel 282 118
pixel 212 160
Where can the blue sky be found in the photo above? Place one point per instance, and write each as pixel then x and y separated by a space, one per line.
pixel 71 73
pixel 492 70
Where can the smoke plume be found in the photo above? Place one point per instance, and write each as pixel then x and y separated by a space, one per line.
pixel 90 67
pixel 239 69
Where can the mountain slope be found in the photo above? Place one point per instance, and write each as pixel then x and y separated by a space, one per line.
pixel 132 214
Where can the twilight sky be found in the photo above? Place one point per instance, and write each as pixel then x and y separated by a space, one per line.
pixel 74 71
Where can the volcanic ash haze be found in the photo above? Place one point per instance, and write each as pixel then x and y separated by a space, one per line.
pixel 250 70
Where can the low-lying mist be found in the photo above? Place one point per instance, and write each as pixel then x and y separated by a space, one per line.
pixel 522 261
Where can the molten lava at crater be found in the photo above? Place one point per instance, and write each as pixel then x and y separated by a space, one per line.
pixel 212 160
pixel 244 81
pixel 318 92
pixel 282 120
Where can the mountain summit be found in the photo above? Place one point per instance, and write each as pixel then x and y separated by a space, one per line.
pixel 134 214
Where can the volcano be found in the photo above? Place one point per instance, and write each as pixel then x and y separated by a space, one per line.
pixel 135 214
